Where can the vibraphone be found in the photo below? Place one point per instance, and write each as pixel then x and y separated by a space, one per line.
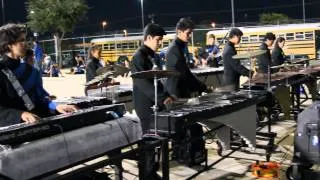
pixel 288 84
pixel 229 109
pixel 123 93
pixel 116 94
pixel 210 76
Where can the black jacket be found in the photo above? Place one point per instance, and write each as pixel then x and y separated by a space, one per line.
pixel 91 68
pixel 232 67
pixel 278 57
pixel 183 85
pixel 264 60
pixel 143 89
pixel 11 105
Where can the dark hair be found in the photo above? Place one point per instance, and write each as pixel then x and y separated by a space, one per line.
pixel 184 24
pixel 269 36
pixel 153 30
pixel 28 54
pixel 279 40
pixel 91 49
pixel 235 32
pixel 10 34
pixel 212 36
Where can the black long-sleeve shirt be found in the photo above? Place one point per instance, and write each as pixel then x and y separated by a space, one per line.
pixel 11 105
pixel 143 89
pixel 232 67
pixel 264 60
pixel 278 56
pixel 91 68
pixel 183 85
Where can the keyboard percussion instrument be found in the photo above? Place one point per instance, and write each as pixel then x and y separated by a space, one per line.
pixel 210 76
pixel 230 109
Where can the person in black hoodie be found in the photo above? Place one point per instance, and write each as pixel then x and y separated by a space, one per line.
pixel 28 100
pixel 264 60
pixel 94 54
pixel 177 56
pixel 278 56
pixel 143 89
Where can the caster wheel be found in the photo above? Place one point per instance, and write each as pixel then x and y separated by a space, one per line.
pixel 220 148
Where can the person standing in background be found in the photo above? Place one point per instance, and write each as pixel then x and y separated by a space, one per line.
pixel 278 56
pixel 38 53
pixel 264 60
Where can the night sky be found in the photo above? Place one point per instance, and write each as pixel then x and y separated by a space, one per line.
pixel 122 14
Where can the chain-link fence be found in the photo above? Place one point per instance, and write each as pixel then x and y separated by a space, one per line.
pixel 74 46
pixel 78 46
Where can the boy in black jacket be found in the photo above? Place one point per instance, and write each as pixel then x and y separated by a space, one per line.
pixel 143 89
pixel 177 55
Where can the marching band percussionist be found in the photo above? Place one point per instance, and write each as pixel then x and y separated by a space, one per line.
pixel 232 67
pixel 209 54
pixel 143 89
pixel 264 60
pixel 22 97
pixel 177 55
pixel 278 56
pixel 94 54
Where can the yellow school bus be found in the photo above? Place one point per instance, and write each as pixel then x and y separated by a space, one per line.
pixel 301 39
pixel 115 47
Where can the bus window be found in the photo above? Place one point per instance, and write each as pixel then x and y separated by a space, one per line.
pixel 290 36
pixel 253 38
pixel 309 35
pixel 281 35
pixel 125 46
pixel 219 39
pixel 165 44
pixel 245 39
pixel 299 35
pixel 261 38
pixel 112 47
pixel 119 46
pixel 317 43
pixel 105 47
pixel 131 45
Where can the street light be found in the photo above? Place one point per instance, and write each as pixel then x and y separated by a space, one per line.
pixel 3 12
pixel 303 11
pixel 232 9
pixel 213 24
pixel 142 15
pixel 104 24
pixel 125 32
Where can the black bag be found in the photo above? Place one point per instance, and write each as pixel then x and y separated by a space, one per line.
pixel 189 145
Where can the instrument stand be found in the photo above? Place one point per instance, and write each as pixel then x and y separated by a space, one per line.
pixel 155 106
pixel 269 78
pixel 249 93
pixel 113 93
